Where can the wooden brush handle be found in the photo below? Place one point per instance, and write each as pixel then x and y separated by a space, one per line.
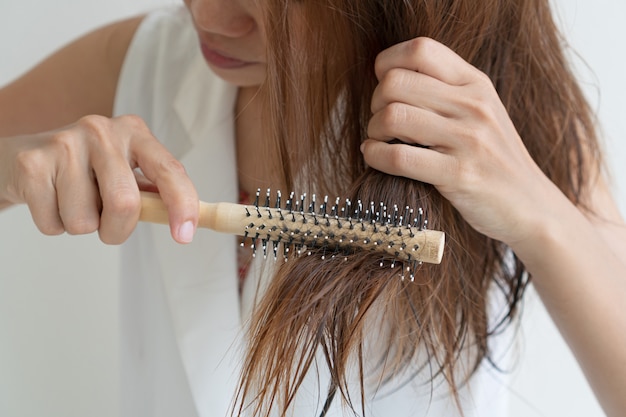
pixel 307 229
pixel 219 217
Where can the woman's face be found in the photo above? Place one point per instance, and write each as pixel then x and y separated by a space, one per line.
pixel 232 39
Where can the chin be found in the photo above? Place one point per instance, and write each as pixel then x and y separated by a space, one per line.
pixel 242 77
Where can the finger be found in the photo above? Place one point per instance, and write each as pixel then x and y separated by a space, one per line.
pixel 175 187
pixel 416 89
pixel 411 125
pixel 34 185
pixel 408 161
pixel 78 200
pixel 43 206
pixel 119 194
pixel 429 57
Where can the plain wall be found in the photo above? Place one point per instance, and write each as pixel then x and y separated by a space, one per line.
pixel 58 295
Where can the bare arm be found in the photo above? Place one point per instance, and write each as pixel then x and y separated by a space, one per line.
pixel 477 160
pixel 77 80
pixel 577 263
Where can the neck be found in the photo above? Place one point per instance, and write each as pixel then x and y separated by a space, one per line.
pixel 254 161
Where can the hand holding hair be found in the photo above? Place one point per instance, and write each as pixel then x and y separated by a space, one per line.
pixel 470 150
pixel 472 153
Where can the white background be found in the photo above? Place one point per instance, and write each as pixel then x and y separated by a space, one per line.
pixel 58 295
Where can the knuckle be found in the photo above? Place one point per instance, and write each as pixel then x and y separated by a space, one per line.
pixel 392 115
pixel 172 165
pixel 420 47
pixel 483 79
pixel 32 173
pixel 95 125
pixel 133 121
pixel 399 158
pixel 391 87
pixel 30 163
pixel 82 226
pixel 393 80
pixel 123 203
pixel 97 130
pixel 65 144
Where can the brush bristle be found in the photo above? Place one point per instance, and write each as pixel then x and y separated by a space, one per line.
pixel 340 229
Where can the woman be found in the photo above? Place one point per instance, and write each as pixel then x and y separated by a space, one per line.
pixel 495 186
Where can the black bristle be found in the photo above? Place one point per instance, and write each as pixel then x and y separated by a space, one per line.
pixel 275 248
pixel 289 204
pixel 418 220
pixel 333 237
pixel 324 206
pixel 407 216
pixel 256 200
pixel 278 197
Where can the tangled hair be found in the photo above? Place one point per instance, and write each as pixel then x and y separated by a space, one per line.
pixel 320 83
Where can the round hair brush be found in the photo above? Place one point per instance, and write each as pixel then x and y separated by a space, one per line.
pixel 300 225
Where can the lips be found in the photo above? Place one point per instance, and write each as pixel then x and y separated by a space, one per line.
pixel 217 59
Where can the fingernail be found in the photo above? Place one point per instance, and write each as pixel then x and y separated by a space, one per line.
pixel 186 232
pixel 362 147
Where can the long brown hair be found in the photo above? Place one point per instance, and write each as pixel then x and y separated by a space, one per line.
pixel 319 87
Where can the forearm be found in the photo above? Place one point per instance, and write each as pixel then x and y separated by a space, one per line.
pixel 581 279
pixel 78 80
pixel 4 201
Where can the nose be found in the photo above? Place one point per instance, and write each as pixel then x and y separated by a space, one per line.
pixel 222 17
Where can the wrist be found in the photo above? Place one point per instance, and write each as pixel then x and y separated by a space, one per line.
pixel 555 232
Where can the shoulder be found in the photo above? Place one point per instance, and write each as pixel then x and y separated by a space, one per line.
pixel 76 80
pixel 162 47
pixel 165 34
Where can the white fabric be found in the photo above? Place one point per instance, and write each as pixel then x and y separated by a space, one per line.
pixel 180 314
pixel 180 311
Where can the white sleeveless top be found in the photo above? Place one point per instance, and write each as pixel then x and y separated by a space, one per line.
pixel 181 314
